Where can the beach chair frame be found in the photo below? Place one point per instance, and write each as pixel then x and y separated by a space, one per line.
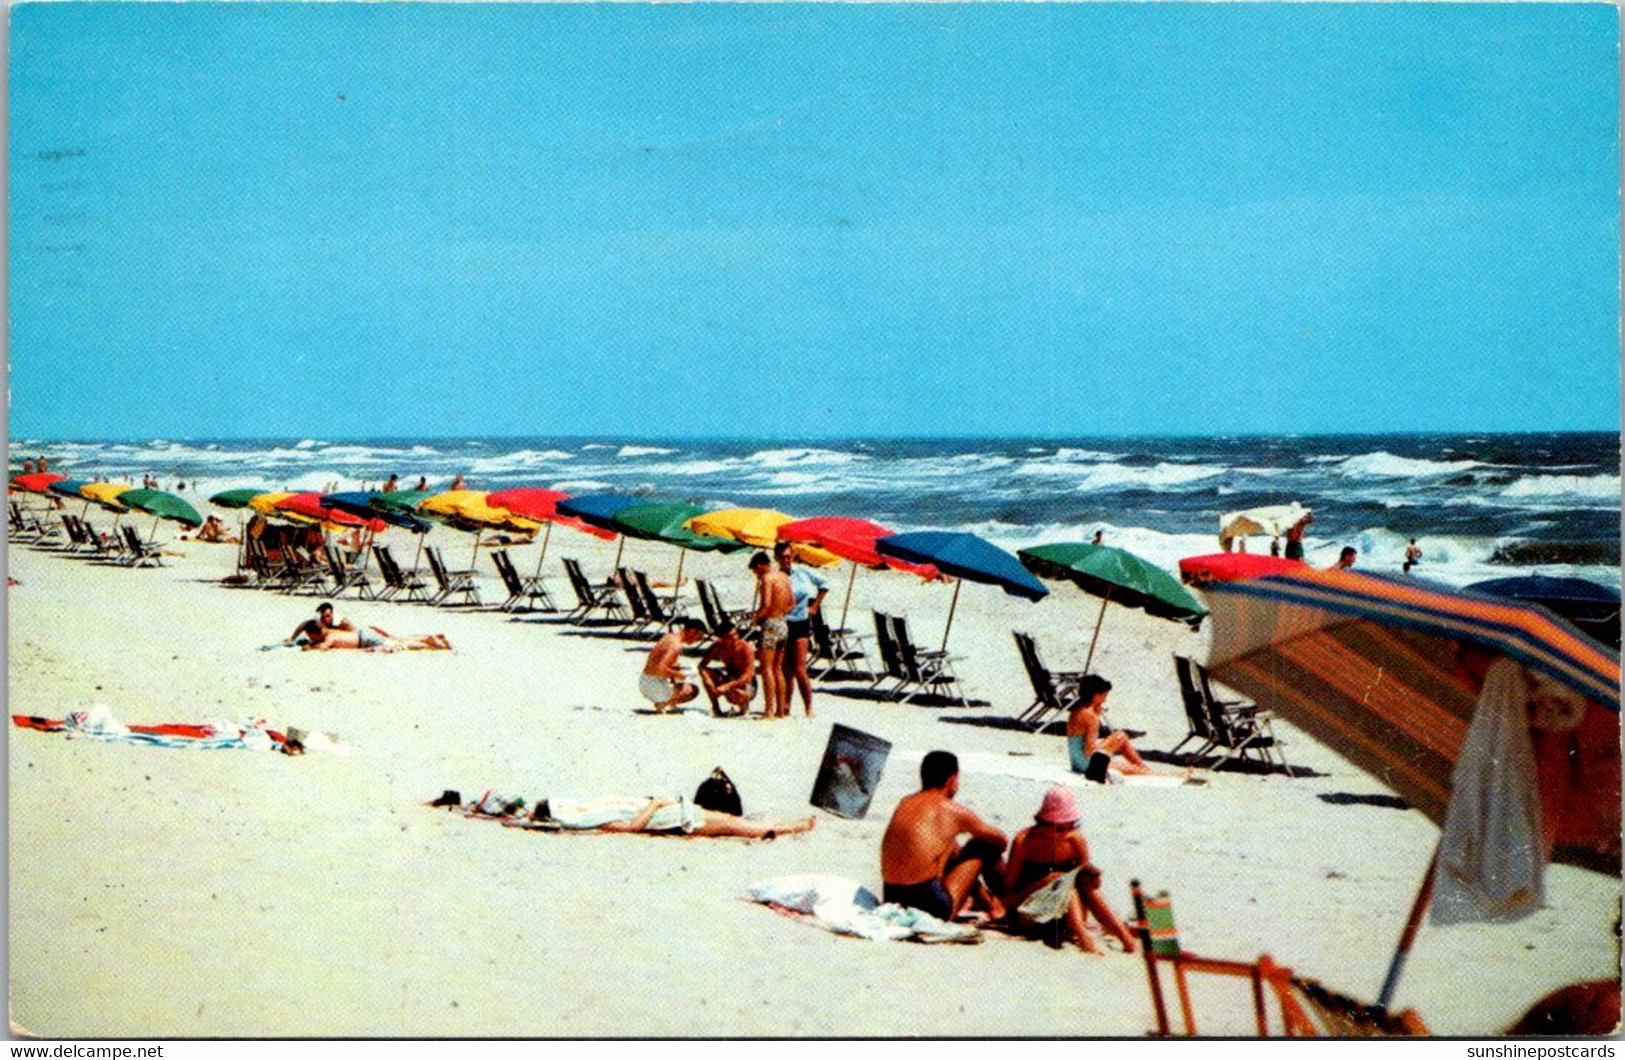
pixel 347 577
pixel 1242 728
pixel 926 669
pixel 397 581
pixel 452 582
pixel 590 597
pixel 834 646
pixel 523 592
pixel 663 613
pixel 1054 692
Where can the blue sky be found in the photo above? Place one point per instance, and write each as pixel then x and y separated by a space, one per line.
pixel 404 219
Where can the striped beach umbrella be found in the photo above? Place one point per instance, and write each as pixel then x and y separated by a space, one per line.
pixel 1367 665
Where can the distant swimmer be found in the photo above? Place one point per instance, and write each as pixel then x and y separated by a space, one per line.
pixel 1413 556
pixel 1100 538
pixel 1345 559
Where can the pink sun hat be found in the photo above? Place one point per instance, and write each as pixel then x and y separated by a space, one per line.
pixel 1058 808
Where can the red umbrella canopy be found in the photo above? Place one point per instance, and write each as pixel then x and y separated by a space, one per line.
pixel 851 539
pixel 38 482
pixel 310 505
pixel 542 506
pixel 1235 567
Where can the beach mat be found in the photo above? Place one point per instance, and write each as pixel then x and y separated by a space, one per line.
pixel 850 772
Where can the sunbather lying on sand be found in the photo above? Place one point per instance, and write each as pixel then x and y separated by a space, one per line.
pixel 371 638
pixel 1052 847
pixel 1086 732
pixel 653 815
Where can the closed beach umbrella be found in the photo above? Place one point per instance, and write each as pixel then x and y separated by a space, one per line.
pixel 965 557
pixel 161 505
pixel 543 506
pixel 1592 607
pixel 758 527
pixel 1364 664
pixel 1235 566
pixel 1114 575
pixel 852 540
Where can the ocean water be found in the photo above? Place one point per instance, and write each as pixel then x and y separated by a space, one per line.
pixel 1481 505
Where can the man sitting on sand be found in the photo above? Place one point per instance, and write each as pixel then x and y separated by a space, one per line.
pixel 776 599
pixel 728 671
pixel 662 682
pixel 921 862
pixel 1087 732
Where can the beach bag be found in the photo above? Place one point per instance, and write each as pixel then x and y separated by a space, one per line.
pixel 717 792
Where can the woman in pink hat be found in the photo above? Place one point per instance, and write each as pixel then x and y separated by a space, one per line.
pixel 1052 847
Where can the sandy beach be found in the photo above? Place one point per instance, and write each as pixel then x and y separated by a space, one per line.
pixel 176 892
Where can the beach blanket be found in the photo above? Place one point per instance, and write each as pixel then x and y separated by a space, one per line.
pixel 846 907
pixel 1051 771
pixel 98 723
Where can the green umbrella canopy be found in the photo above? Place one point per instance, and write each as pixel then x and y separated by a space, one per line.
pixel 664 522
pixel 164 505
pixel 238 498
pixel 404 501
pixel 1119 576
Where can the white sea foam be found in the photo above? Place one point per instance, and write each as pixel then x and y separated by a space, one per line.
pixel 1594 487
pixel 642 450
pixel 800 457
pixel 1091 477
pixel 518 460
pixel 309 443
pixel 1382 464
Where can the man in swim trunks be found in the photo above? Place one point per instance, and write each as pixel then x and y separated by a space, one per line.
pixel 807 591
pixel 921 862
pixel 728 670
pixel 315 630
pixel 661 682
pixel 774 601
pixel 1294 537
pixel 371 638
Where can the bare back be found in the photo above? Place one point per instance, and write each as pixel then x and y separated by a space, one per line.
pixel 777 596
pixel 736 656
pixel 923 833
pixel 663 656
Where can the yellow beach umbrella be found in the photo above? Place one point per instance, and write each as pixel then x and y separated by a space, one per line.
pixel 105 494
pixel 758 527
pixel 472 510
pixel 265 504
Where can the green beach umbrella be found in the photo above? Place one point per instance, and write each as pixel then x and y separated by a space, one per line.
pixel 664 522
pixel 237 498
pixel 405 502
pixel 1116 576
pixel 161 505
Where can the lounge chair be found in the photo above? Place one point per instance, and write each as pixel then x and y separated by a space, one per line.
pixel 715 612
pixel 1198 724
pixel 1054 692
pixel 353 577
pixel 926 669
pixel 835 647
pixel 663 613
pixel 396 581
pixel 891 663
pixel 109 547
pixel 1241 728
pixel 522 592
pixel 638 617
pixel 1305 1009
pixel 452 582
pixel 138 553
pixel 590 597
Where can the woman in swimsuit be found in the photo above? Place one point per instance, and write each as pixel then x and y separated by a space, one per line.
pixel 1051 847
pixel 1087 732
pixel 666 816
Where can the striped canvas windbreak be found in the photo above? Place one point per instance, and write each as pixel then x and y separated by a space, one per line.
pixel 1363 664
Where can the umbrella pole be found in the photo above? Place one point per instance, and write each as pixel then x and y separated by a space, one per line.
pixel 1413 925
pixel 1094 640
pixel 847 603
pixel 951 605
pixel 474 558
pixel 547 535
pixel 152 538
pixel 418 557
pixel 620 544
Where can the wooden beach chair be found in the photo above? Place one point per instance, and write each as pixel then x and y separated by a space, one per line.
pixel 1160 945
pixel 452 582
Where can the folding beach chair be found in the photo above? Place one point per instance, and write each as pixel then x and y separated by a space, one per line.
pixel 1241 728
pixel 1053 692
pixel 397 581
pixel 523 593
pixel 109 547
pixel 834 647
pixel 590 597
pixel 1197 721
pixel 347 577
pixel 891 662
pixel 662 613
pixel 925 669
pixel 452 582
pixel 138 553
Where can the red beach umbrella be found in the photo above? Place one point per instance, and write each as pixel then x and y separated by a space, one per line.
pixel 1235 567
pixel 310 506
pixel 38 481
pixel 543 506
pixel 853 540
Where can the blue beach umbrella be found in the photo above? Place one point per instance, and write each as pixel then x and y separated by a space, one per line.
pixel 965 557
pixel 360 504
pixel 599 509
pixel 1593 608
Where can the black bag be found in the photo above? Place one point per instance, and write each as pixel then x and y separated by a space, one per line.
pixel 717 792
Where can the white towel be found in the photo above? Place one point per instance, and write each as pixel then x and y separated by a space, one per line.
pixel 1492 860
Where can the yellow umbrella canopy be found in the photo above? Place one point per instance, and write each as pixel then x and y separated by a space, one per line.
pixel 759 527
pixel 472 509
pixel 105 494
pixel 266 504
